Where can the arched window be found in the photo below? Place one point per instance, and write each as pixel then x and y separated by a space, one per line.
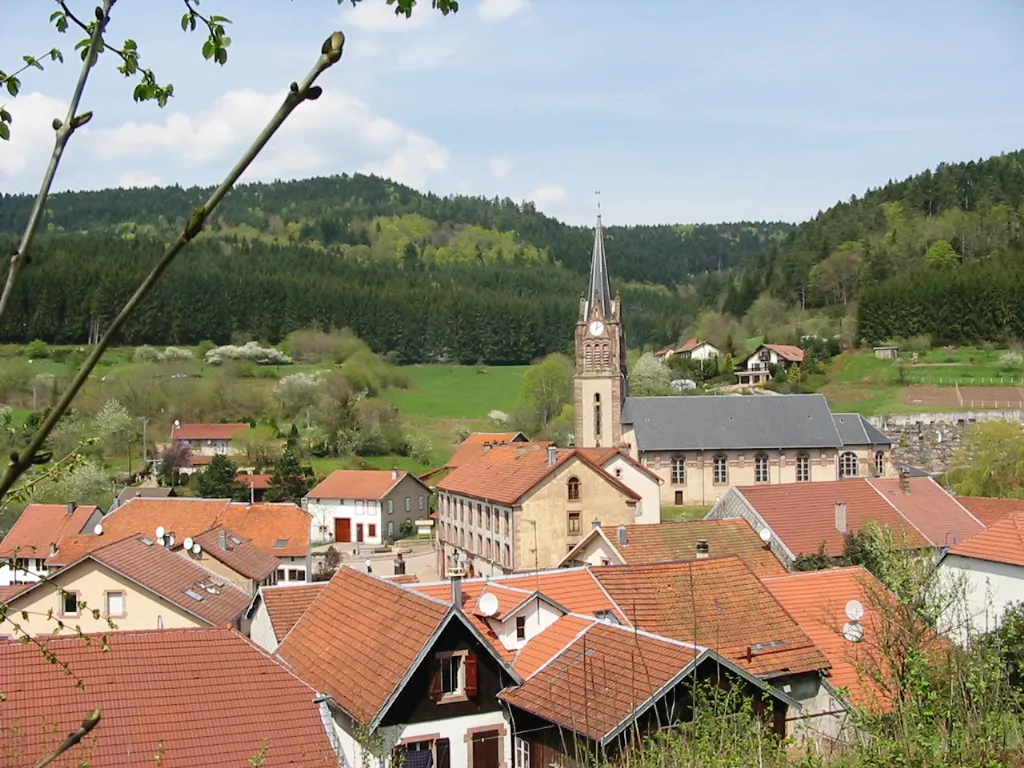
pixel 597 415
pixel 606 353
pixel 879 463
pixel 761 474
pixel 721 474
pixel 573 487
pixel 588 354
pixel 847 464
pixel 803 468
pixel 678 470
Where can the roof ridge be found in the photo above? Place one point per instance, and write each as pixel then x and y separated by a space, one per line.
pixel 811 574
pixel 608 595
pixel 899 512
pixel 957 502
pixel 592 622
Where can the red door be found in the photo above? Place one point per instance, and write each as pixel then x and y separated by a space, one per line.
pixel 342 529
pixel 359 533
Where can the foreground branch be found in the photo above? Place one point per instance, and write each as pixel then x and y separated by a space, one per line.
pixel 298 93
pixel 90 722
pixel 71 123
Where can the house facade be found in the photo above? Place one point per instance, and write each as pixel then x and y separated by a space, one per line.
pixel 208 439
pixel 694 349
pixel 366 507
pixel 519 508
pixel 756 369
pixel 26 546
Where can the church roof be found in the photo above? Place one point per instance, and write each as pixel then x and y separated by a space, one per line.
pixel 856 430
pixel 599 292
pixel 737 422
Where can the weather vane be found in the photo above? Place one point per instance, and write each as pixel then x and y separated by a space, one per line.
pixel 598 193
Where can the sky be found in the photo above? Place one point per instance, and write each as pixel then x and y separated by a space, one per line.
pixel 677 111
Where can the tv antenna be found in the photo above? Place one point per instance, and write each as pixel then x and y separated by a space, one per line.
pixel 598 193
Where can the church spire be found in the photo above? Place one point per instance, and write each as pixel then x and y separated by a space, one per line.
pixel 599 292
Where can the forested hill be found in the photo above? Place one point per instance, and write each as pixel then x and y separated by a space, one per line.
pixel 947 218
pixel 373 218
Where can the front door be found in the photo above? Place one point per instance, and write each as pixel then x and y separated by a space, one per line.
pixel 342 529
pixel 486 749
pixel 359 533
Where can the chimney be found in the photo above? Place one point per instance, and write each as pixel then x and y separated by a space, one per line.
pixel 455 574
pixel 904 481
pixel 703 549
pixel 222 539
pixel 623 536
pixel 841 516
pixel 394 473
pixel 53 548
pixel 72 506
pixel 552 455
pixel 596 524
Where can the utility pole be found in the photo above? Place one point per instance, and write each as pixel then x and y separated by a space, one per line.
pixel 145 465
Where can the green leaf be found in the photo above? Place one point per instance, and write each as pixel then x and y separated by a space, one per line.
pixel 221 56
pixel 184 22
pixel 13 85
pixel 5 132
pixel 56 55
pixel 129 45
pixel 208 49
pixel 32 62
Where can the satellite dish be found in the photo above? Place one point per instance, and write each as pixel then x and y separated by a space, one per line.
pixel 170 540
pixel 177 423
pixel 98 529
pixel 187 543
pixel 853 632
pixel 196 549
pixel 854 610
pixel 488 604
pixel 161 542
pixel 766 535
pixel 160 531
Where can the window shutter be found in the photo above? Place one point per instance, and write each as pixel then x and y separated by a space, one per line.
pixel 471 675
pixel 435 682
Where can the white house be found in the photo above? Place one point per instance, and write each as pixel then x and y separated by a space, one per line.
pixel 208 439
pixel 695 349
pixel 632 474
pixel 366 506
pixel 755 369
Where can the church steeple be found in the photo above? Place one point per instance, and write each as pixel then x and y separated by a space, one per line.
pixel 599 292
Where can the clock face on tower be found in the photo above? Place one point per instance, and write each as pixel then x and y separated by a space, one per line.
pixel 596 328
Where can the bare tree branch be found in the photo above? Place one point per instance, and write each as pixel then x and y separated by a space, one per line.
pixel 90 722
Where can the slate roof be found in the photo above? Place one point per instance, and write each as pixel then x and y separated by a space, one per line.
pixel 854 429
pixel 238 554
pixel 674 541
pixel 202 698
pixel 599 292
pixel 201 431
pixel 1001 542
pixel 989 510
pixel 723 422
pixel 39 525
pixel 358 484
pixel 286 604
pixel 717 603
pixel 360 638
pixel 144 491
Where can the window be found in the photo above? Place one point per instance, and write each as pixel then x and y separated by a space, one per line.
pixel 455 677
pixel 847 465
pixel 294 574
pixel 803 468
pixel 761 474
pixel 372 530
pixel 679 498
pixel 520 627
pixel 69 603
pixel 115 604
pixel 574 522
pixel 678 470
pixel 618 471
pixel 574 489
pixel 391 506
pixel 508 556
pixel 391 529
pixel 597 415
pixel 879 463
pixel 422 502
pixel 522 753
pixel 408 503
pixel 721 470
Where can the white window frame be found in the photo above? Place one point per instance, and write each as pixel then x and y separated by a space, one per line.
pixel 720 462
pixel 879 463
pixel 522 753
pixel 844 465
pixel 678 470
pixel 803 468
pixel 106 604
pixel 762 468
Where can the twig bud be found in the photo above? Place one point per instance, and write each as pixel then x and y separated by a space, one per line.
pixel 332 46
pixel 313 92
pixel 57 123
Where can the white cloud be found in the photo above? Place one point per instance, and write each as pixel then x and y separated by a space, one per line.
pixel 500 167
pixel 499 10
pixel 547 196
pixel 137 179
pixel 23 159
pixel 333 134
pixel 378 16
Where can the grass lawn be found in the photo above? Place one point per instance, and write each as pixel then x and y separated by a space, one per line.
pixel 458 391
pixel 675 514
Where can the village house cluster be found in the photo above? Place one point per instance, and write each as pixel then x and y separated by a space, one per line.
pixel 560 618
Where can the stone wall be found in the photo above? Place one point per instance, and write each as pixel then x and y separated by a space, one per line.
pixel 929 440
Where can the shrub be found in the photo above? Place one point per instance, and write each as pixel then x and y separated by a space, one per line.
pixel 421 449
pixel 146 354
pixel 172 354
pixel 1011 359
pixel 249 352
pixel 37 348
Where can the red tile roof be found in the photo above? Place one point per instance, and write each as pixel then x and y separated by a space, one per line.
pixel 1001 542
pixel 939 516
pixel 238 554
pixel 263 524
pixel 202 698
pixel 549 643
pixel 505 474
pixel 358 484
pixel 256 482
pixel 689 345
pixel 471 590
pixel 597 682
pixel 286 604
pixel 988 510
pixel 40 525
pixel 207 431
pixel 803 515
pixel 787 352
pixel 601 456
pixel 667 542
pixel 356 624
pixel 7 592
pixel 718 603
pixel 817 600
pixel 473 445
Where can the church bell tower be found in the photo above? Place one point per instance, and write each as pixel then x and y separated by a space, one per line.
pixel 599 386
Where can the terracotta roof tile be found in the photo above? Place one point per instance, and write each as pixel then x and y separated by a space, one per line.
pixel 689 345
pixel 666 542
pixel 473 445
pixel 207 431
pixel 471 591
pixel 7 592
pixel 549 643
pixel 1001 542
pixel 256 482
pixel 506 473
pixel 202 698
pixel 359 637
pixel 817 600
pixel 988 510
pixel 597 682
pixel 357 484
pixel 718 603
pixel 39 525
pixel 286 604
pixel 787 352
pixel 267 525
pixel 803 515
pixel 403 578
pixel 939 516
pixel 238 554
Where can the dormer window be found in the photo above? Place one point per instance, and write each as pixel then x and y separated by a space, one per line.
pixel 520 627
pixel 455 677
pixel 573 489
